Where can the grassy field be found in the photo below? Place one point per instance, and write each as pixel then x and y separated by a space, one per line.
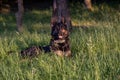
pixel 95 44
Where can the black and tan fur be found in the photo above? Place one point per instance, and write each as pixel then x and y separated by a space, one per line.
pixel 59 43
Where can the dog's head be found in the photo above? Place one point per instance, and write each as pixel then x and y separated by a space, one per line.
pixel 59 31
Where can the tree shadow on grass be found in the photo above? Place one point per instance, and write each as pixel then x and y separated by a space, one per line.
pixel 7 23
pixel 32 21
pixel 37 16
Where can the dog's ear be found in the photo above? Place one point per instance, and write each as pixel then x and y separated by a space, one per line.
pixel 64 21
pixel 53 21
pixel 53 24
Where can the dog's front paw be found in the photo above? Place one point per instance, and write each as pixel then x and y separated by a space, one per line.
pixel 59 53
pixel 68 53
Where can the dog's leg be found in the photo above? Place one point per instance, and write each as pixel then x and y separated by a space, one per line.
pixel 68 53
pixel 59 53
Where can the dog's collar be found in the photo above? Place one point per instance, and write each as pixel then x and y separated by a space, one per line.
pixel 59 41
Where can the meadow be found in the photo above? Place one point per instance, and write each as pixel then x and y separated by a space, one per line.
pixel 94 40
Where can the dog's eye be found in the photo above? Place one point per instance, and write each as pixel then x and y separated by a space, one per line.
pixel 64 31
pixel 55 31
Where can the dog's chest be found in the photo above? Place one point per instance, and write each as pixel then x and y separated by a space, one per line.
pixel 59 45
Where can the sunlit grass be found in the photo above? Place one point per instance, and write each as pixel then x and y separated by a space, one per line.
pixel 94 40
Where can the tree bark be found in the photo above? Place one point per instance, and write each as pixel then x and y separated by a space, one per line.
pixel 0 6
pixel 60 11
pixel 19 15
pixel 88 4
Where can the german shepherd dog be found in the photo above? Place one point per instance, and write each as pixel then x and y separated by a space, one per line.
pixel 59 43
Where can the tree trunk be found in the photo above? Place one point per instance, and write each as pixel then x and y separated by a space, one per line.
pixel 88 4
pixel 60 11
pixel 0 6
pixel 19 15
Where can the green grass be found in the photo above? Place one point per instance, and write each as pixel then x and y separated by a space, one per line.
pixel 95 47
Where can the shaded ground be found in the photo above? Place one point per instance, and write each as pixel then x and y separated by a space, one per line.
pixel 41 5
pixel 12 7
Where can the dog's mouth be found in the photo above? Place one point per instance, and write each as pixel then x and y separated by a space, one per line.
pixel 59 37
